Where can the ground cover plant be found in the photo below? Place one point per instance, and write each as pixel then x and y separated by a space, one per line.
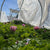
pixel 20 36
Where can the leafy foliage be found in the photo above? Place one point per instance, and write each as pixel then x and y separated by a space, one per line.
pixel 39 38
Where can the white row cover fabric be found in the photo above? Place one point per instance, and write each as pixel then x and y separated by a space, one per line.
pixel 47 20
pixel 3 17
pixel 32 12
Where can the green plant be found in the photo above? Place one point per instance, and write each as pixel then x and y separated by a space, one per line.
pixel 39 38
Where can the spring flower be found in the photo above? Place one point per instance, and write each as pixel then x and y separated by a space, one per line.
pixel 23 25
pixel 16 42
pixel 36 27
pixel 13 28
pixel 26 43
pixel 28 40
pixel 44 30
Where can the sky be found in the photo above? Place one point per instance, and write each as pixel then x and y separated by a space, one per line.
pixel 9 4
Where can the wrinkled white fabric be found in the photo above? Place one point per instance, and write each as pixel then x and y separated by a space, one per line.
pixel 31 12
pixel 46 22
pixel 19 3
pixel 3 17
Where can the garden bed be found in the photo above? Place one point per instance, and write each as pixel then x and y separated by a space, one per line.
pixel 25 37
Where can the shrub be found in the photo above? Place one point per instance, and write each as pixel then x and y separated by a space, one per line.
pixel 8 37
